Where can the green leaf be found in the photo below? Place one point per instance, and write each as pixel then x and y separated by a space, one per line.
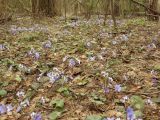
pixel 57 103
pixel 64 90
pixel 138 113
pixel 83 82
pixel 137 102
pixel 54 115
pixel 3 92
pixel 157 67
pixel 35 85
pixel 97 102
pixel 94 117
pixel 18 78
pixel 4 84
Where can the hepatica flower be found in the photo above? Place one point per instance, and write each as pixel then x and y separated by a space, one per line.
pixel 23 104
pixel 33 53
pixel 154 73
pixel 36 55
pixel 124 37
pixel 54 75
pixel 48 44
pixel 5 108
pixel 20 94
pixel 114 42
pixel 36 116
pixel 110 79
pixel 2 47
pixel 24 68
pixel 106 90
pixel 151 46
pixel 65 58
pixel 104 74
pixel 130 114
pixel 42 100
pixel 9 107
pixel 124 99
pixel 118 88
pixel 92 58
pixel 72 62
pixel 149 102
pixel 154 81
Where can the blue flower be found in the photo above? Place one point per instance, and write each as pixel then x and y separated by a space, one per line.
pixel 106 90
pixel 2 47
pixel 53 76
pixel 33 53
pixel 48 44
pixel 3 109
pixel 130 114
pixel 9 107
pixel 38 116
pixel 36 55
pixel 72 62
pixel 118 88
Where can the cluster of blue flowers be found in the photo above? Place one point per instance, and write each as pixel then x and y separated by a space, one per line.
pixel 5 108
pixel 55 75
pixel 33 53
pixel 15 30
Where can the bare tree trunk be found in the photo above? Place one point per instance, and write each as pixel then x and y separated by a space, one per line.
pixel 106 10
pixel 34 6
pixel 44 7
pixel 113 16
pixel 153 6
pixel 65 10
pixel 158 9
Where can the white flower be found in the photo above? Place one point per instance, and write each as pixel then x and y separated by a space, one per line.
pixel 24 103
pixel 20 93
pixel 114 42
pixel 104 74
pixel 9 107
pixel 124 99
pixel 149 101
pixel 42 100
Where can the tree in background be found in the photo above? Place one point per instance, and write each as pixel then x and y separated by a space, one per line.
pixel 44 7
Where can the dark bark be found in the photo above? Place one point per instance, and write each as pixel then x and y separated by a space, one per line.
pixel 113 15
pixel 44 7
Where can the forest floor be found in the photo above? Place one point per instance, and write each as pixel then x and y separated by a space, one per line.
pixel 79 70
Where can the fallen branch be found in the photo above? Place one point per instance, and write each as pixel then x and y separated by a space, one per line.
pixel 140 4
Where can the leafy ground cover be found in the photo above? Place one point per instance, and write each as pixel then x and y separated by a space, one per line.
pixel 79 70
